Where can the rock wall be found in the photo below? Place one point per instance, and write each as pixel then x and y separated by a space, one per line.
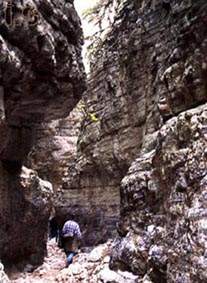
pixel 147 92
pixel 140 155
pixel 41 71
pixel 54 155
pixel 55 150
pixel 25 209
pixel 41 79
pixel 93 202
pixel 163 210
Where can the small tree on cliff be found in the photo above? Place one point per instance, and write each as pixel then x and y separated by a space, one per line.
pixel 101 15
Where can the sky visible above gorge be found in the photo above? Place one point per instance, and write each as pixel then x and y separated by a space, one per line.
pixel 88 29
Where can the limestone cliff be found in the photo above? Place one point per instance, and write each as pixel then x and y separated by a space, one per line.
pixel 41 79
pixel 54 156
pixel 134 153
pixel 147 90
pixel 163 206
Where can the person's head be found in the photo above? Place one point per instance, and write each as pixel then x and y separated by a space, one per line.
pixel 71 216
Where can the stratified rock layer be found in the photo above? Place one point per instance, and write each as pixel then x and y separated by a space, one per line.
pixel 147 92
pixel 164 208
pixel 53 156
pixel 41 79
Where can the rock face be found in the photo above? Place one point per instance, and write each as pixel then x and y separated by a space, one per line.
pixel 164 204
pixel 41 69
pixel 54 152
pixel 56 157
pixel 140 155
pixel 41 79
pixel 53 156
pixel 147 91
pixel 25 209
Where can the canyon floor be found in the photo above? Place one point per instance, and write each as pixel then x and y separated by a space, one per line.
pixel 89 266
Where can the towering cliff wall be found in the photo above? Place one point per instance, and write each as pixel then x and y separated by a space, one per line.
pixel 140 155
pixel 41 79
pixel 147 90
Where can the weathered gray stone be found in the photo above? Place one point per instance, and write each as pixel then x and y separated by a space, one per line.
pixel 144 127
pixel 41 79
pixel 26 202
pixel 167 225
pixel 149 71
pixel 41 73
pixel 150 67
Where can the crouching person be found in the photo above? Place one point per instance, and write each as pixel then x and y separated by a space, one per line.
pixel 71 237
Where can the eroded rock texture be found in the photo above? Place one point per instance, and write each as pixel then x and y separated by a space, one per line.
pixel 91 199
pixel 164 204
pixel 41 71
pixel 54 156
pixel 41 79
pixel 25 209
pixel 148 91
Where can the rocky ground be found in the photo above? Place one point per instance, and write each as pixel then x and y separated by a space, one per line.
pixel 90 266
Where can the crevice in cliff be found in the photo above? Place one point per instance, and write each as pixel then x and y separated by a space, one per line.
pixel 195 105
pixel 145 125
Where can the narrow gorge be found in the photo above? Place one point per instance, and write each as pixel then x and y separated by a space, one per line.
pixel 123 149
